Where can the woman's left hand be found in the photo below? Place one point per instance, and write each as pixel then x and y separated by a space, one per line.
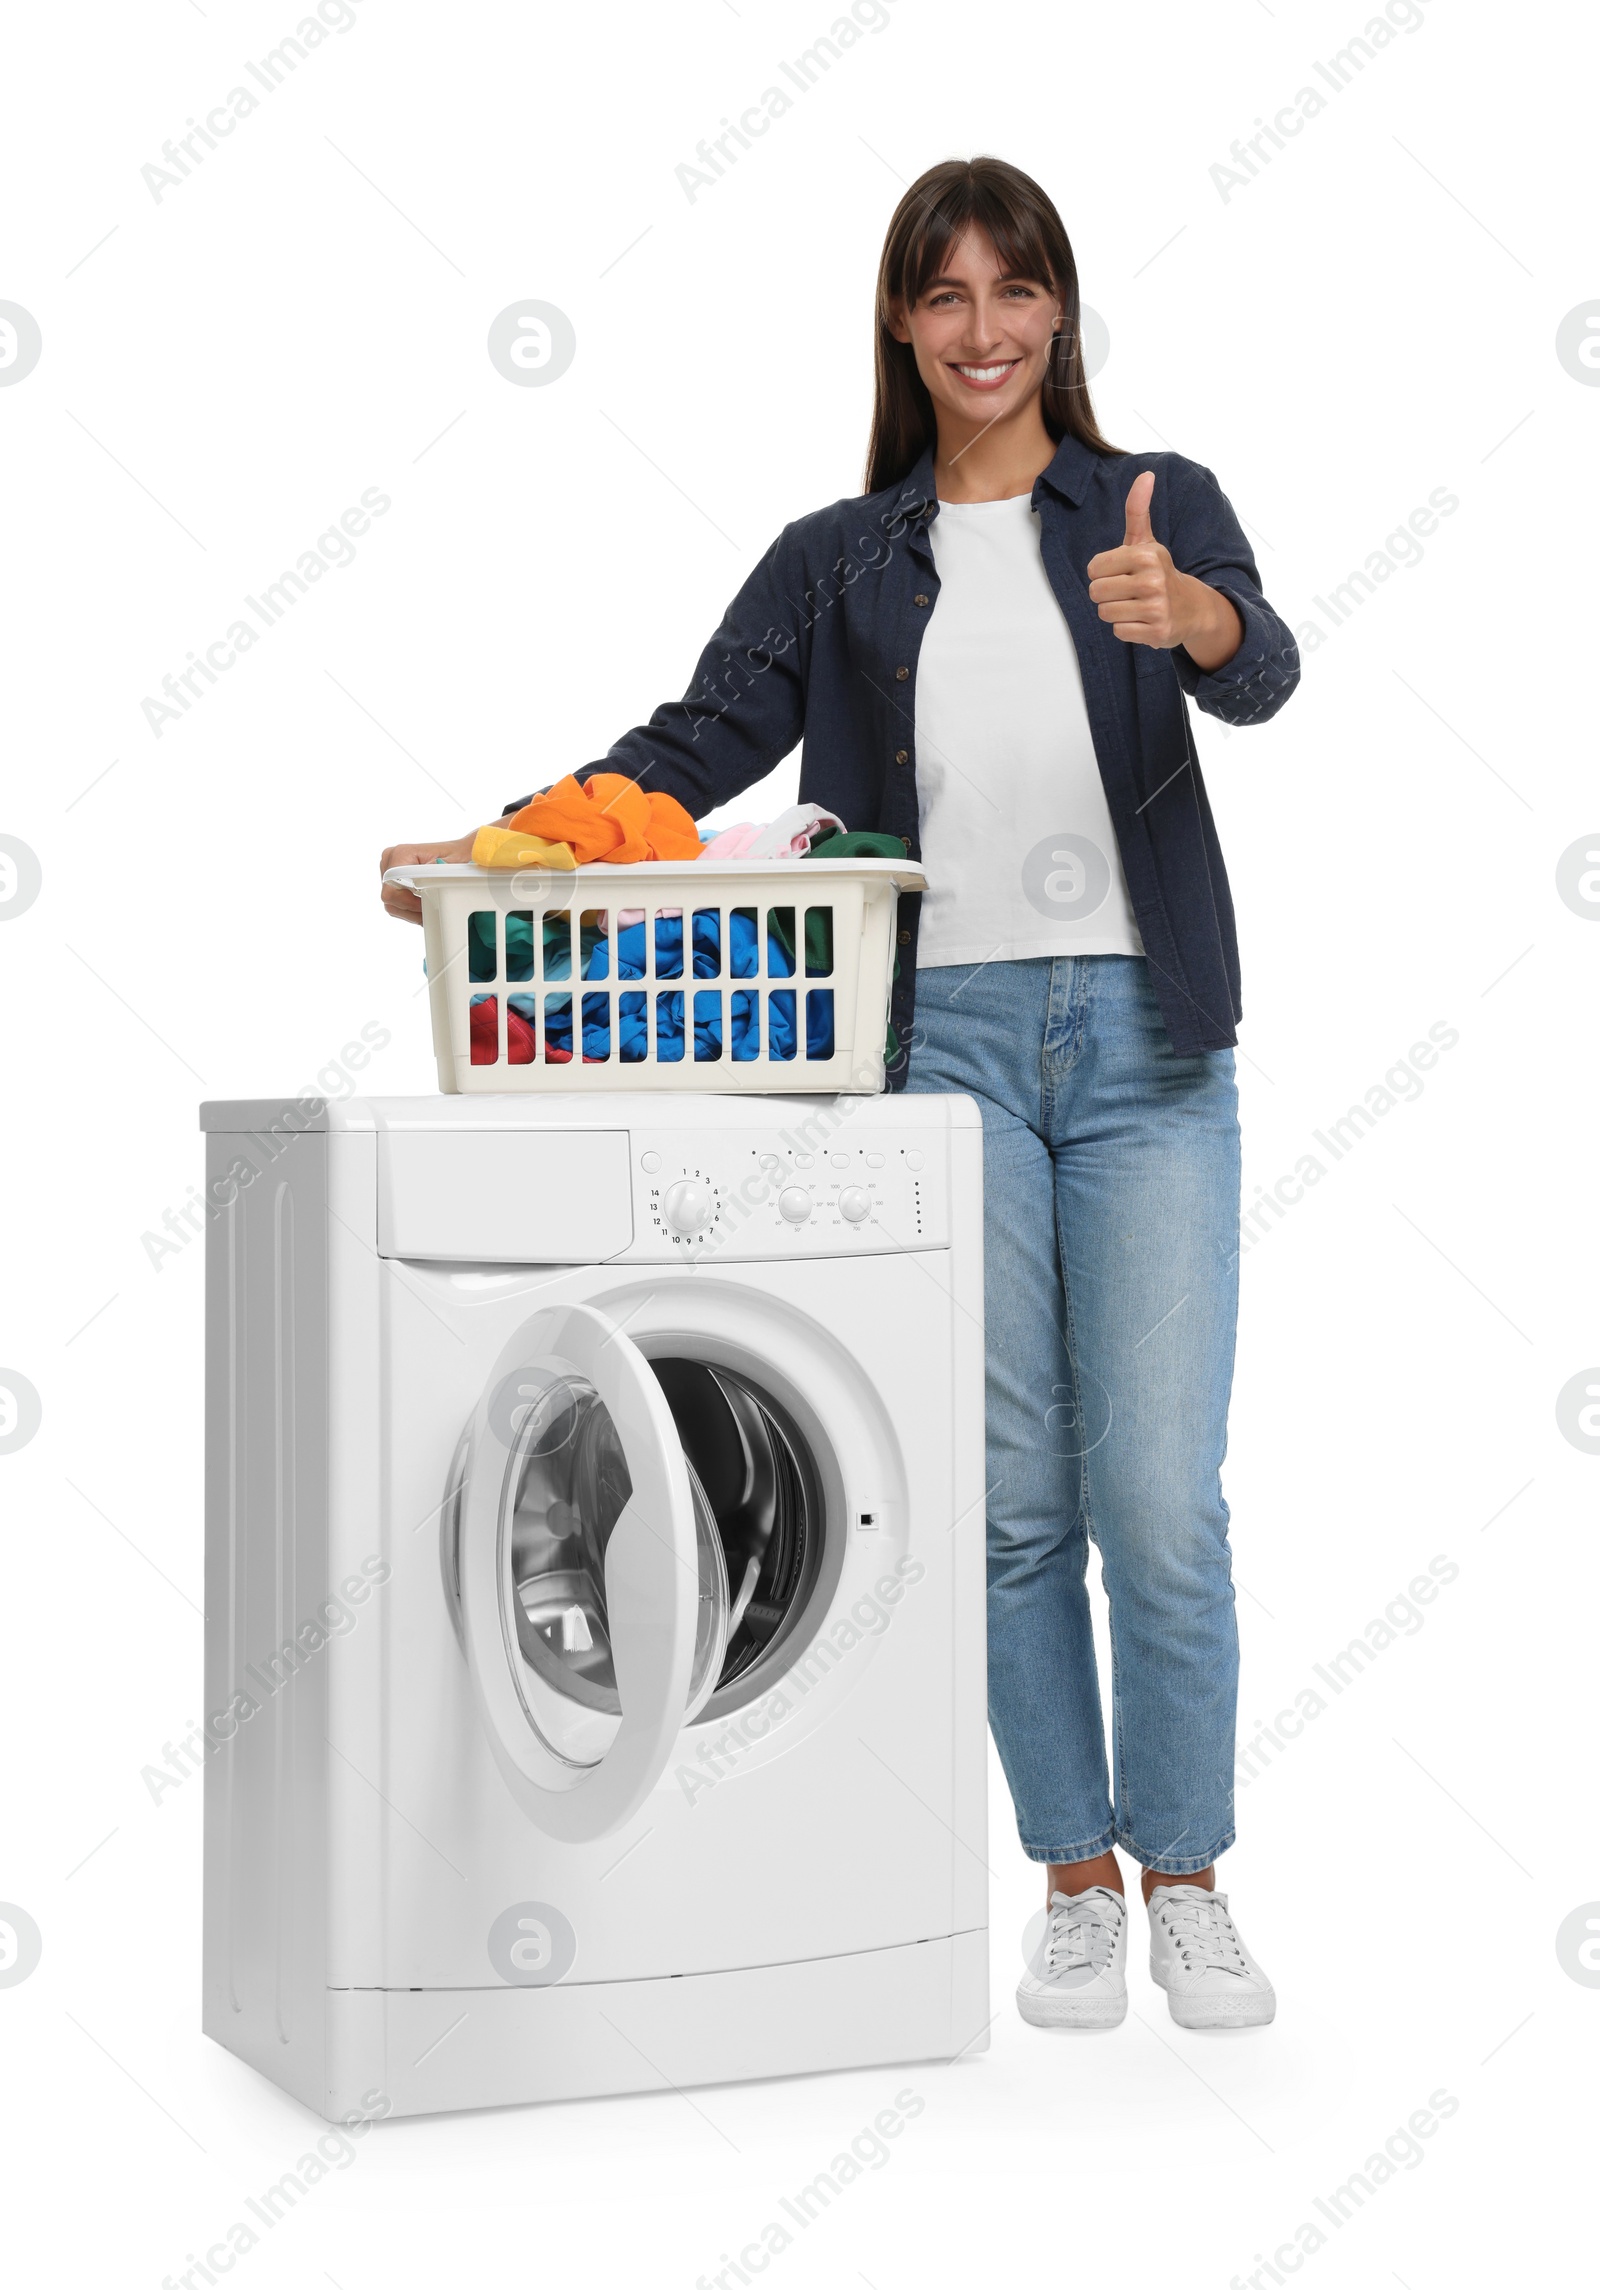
pixel 1148 601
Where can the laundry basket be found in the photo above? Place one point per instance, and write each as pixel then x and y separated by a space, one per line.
pixel 725 975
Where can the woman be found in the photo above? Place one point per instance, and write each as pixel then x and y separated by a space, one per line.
pixel 988 655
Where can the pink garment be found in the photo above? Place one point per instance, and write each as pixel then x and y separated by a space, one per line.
pixel 791 834
pixel 732 843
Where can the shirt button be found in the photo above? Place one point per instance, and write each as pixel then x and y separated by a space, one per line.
pixel 901 674
pixel 902 755
pixel 905 842
pixel 919 600
pixel 905 938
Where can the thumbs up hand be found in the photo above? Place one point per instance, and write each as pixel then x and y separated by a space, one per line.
pixel 1135 586
pixel 1141 592
pixel 1136 513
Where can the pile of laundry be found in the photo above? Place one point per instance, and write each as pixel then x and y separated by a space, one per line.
pixel 594 962
pixel 612 820
pixel 633 1027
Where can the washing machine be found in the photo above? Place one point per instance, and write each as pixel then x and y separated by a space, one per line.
pixel 594 1592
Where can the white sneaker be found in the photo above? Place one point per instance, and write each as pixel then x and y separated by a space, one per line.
pixel 1211 1978
pixel 1077 1971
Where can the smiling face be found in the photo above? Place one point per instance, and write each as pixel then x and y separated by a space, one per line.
pixel 980 336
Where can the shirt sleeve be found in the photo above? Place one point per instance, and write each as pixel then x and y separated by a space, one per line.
pixel 1208 541
pixel 744 709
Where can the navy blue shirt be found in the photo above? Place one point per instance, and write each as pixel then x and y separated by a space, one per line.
pixel 821 645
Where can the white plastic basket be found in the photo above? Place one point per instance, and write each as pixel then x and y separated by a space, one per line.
pixel 542 957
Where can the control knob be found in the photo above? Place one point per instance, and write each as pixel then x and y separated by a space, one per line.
pixel 794 1204
pixel 855 1205
pixel 689 1206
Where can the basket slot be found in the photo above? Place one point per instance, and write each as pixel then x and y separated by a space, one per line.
pixel 594 945
pixel 669 1028
pixel 745 1014
pixel 520 1028
pixel 781 1041
pixel 667 945
pixel 819 942
pixel 707 937
pixel 485 1028
pixel 708 1038
pixel 519 927
pixel 481 943
pixel 596 1047
pixel 556 948
pixel 558 1029
pixel 780 942
pixel 819 1022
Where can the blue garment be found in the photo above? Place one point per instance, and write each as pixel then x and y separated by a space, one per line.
pixel 744 961
pixel 823 638
pixel 744 953
pixel 1111 1238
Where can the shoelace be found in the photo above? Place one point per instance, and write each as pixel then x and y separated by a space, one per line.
pixel 1202 1931
pixel 1079 1937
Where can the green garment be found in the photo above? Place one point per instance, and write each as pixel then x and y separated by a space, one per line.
pixel 861 843
pixel 555 936
pixel 819 937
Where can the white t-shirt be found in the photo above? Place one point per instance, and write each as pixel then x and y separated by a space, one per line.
pixel 1016 835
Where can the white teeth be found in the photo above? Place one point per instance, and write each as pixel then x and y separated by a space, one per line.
pixel 986 373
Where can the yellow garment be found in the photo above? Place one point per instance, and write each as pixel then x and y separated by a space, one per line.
pixel 510 847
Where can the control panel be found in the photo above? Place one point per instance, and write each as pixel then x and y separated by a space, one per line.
pixel 747 1196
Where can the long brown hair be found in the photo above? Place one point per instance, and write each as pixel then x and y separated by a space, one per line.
pixel 1027 234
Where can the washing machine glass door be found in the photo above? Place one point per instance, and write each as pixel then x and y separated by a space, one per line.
pixel 593 1585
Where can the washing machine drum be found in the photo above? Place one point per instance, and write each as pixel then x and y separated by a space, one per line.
pixel 757 1527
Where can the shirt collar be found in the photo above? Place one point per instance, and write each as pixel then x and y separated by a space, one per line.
pixel 1068 474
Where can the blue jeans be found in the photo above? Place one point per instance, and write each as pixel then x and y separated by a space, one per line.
pixel 1111 1238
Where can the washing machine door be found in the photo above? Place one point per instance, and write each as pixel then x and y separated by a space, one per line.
pixel 592 1583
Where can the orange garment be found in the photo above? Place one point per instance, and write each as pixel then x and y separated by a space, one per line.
pixel 610 818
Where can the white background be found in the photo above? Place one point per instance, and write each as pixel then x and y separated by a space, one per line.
pixel 224 370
